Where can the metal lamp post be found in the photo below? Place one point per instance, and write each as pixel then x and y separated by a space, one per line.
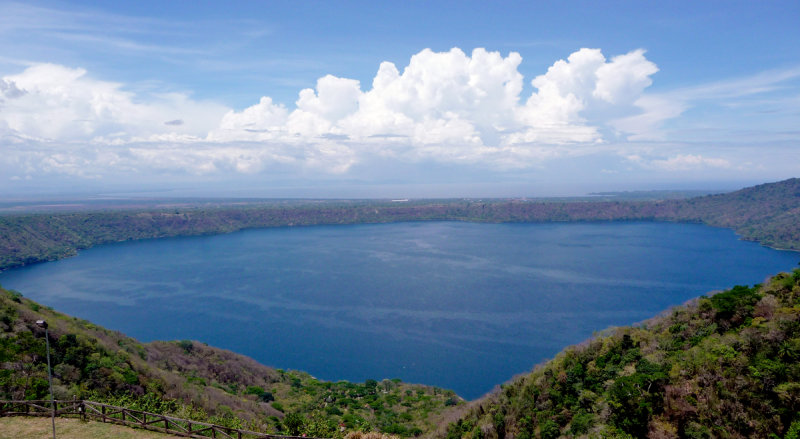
pixel 43 324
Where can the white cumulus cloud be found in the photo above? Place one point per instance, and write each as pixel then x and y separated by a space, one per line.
pixel 54 102
pixel 624 78
pixel 685 162
pixel 454 107
pixel 263 121
pixel 447 107
pixel 680 162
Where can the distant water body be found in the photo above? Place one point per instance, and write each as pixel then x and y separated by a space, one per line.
pixel 459 305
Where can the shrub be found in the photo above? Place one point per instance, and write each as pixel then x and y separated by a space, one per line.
pixel 794 429
pixel 549 430
pixel 186 345
pixel 254 390
pixel 581 423
pixel 293 423
pixel 16 296
pixel 738 300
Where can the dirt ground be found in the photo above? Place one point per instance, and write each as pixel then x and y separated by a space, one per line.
pixel 41 428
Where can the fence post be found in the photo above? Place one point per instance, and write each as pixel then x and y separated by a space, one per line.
pixel 103 410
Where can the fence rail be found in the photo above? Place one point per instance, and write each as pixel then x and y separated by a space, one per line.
pixel 132 418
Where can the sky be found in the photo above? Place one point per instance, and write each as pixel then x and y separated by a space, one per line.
pixel 352 99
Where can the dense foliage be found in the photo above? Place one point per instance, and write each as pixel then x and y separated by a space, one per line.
pixel 767 213
pixel 191 380
pixel 722 366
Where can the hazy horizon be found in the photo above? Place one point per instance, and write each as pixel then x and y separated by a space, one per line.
pixel 362 191
pixel 355 193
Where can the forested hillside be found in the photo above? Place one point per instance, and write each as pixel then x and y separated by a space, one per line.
pixel 192 380
pixel 724 366
pixel 767 213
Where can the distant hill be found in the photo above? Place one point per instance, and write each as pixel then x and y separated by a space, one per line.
pixel 768 213
pixel 724 366
pixel 195 381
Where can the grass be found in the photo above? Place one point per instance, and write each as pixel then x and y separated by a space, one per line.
pixel 66 428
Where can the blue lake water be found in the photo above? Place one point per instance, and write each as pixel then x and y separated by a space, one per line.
pixel 459 305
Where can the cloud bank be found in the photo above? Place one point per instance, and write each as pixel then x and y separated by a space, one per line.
pixel 451 106
pixel 443 107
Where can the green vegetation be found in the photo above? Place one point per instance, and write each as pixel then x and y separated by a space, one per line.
pixel 720 366
pixel 767 213
pixel 190 380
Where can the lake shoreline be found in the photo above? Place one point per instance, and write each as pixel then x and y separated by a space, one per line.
pixel 454 287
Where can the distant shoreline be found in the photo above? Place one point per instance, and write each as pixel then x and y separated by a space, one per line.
pixel 768 214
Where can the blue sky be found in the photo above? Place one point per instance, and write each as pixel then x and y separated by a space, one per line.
pixel 389 99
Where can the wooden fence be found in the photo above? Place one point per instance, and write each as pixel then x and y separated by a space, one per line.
pixel 133 418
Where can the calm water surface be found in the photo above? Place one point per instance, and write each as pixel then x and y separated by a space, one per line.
pixel 459 305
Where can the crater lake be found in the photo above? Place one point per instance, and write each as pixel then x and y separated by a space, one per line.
pixel 463 306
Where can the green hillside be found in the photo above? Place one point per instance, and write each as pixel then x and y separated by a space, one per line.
pixel 767 213
pixel 724 366
pixel 191 380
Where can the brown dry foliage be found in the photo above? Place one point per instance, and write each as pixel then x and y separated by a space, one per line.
pixel 215 366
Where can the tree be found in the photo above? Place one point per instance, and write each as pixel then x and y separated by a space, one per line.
pixel 293 423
